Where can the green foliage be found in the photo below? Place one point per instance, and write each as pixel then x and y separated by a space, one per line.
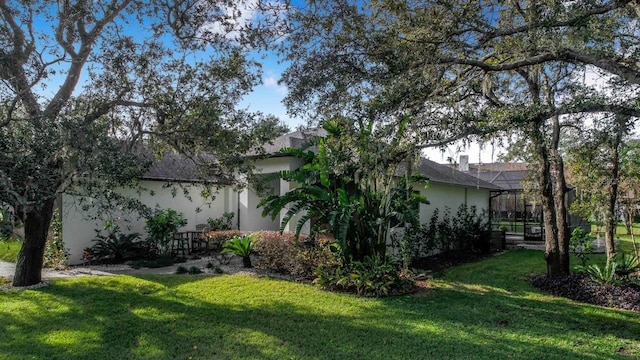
pixel 349 188
pixel 218 238
pixel 581 245
pixel 374 276
pixel 115 247
pixel 463 233
pixel 55 254
pixel 281 253
pixel 195 270
pixel 161 226
pixel 241 246
pixel 627 265
pixel 605 275
pixel 225 222
pixel 113 100
pixel 181 270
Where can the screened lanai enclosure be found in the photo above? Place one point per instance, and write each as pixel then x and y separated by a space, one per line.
pixel 513 210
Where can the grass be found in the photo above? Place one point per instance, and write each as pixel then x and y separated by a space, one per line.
pixel 483 310
pixel 9 250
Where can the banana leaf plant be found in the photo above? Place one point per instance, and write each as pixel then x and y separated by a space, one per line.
pixel 356 201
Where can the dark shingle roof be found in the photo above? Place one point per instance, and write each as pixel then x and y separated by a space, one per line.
pixel 176 167
pixel 439 173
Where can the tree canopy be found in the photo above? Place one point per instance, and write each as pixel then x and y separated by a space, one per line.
pixel 462 69
pixel 84 84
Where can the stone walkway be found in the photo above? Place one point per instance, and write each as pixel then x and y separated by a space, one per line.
pixel 7 269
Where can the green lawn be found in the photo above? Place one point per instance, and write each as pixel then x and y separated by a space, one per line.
pixel 9 250
pixel 483 310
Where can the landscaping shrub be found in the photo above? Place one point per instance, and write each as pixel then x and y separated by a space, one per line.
pixel 195 270
pixel 182 270
pixel 115 247
pixel 280 253
pixel 464 233
pixel 225 222
pixel 616 271
pixel 626 265
pixel 161 226
pixel 241 246
pixel 218 238
pixel 581 245
pixel 276 251
pixel 372 277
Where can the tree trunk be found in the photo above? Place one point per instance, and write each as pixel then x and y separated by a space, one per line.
pixel 36 226
pixel 562 223
pixel 610 218
pixel 629 213
pixel 552 251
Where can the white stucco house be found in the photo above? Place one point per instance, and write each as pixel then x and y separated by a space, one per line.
pixel 447 188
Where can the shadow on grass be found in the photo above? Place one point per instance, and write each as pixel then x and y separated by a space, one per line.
pixel 232 317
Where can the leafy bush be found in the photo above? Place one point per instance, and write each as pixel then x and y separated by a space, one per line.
pixel 276 251
pixel 605 275
pixel 161 226
pixel 280 253
pixel 55 254
pixel 115 247
pixel 218 238
pixel 581 245
pixel 225 222
pixel 466 232
pixel 241 246
pixel 627 265
pixel 195 270
pixel 182 270
pixel 374 277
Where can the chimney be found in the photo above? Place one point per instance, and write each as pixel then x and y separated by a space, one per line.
pixel 464 163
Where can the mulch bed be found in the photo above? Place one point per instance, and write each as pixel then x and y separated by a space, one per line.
pixel 580 287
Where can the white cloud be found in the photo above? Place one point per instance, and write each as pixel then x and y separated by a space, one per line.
pixel 235 17
pixel 271 81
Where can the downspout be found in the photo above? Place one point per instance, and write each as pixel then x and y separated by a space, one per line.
pixel 238 210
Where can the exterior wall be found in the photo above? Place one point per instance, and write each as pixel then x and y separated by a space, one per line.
pixel 250 215
pixel 78 231
pixel 441 196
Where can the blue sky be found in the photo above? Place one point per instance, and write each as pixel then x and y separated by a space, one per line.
pixel 267 98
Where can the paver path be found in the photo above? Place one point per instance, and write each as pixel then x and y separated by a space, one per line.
pixel 7 269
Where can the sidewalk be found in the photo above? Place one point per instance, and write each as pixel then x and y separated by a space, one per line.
pixel 7 269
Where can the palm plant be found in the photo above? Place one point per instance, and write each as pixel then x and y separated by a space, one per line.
pixel 116 247
pixel 241 246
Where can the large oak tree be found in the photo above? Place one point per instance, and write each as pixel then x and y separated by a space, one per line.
pixel 84 83
pixel 463 68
